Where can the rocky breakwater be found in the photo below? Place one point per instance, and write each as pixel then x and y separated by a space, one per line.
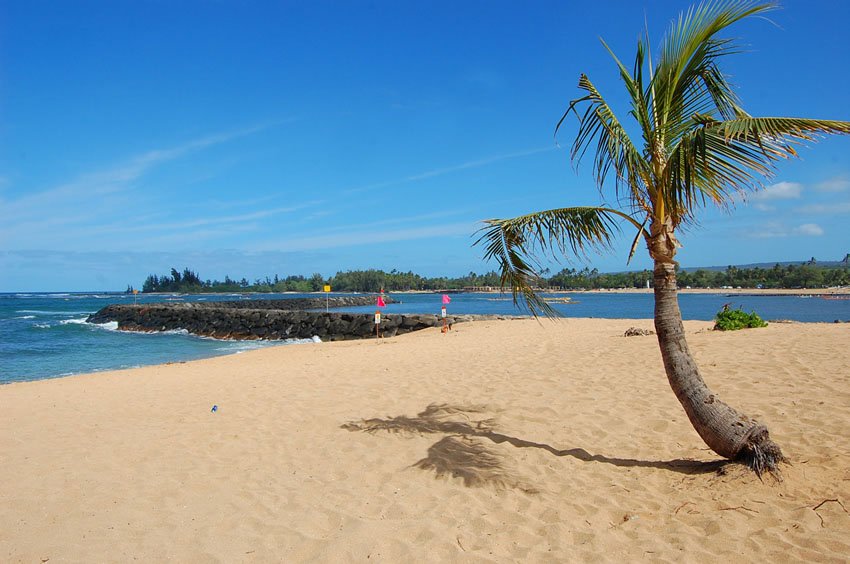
pixel 264 319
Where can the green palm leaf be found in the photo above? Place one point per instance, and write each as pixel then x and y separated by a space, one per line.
pixel 614 148
pixel 719 158
pixel 688 62
pixel 515 244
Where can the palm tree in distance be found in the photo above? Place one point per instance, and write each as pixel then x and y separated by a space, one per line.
pixel 697 146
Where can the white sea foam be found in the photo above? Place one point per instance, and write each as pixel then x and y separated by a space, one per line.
pixel 37 311
pixel 56 313
pixel 108 326
pixel 25 317
pixel 310 341
pixel 80 321
pixel 242 346
pixel 42 325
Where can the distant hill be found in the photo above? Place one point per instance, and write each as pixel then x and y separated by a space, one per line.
pixel 765 265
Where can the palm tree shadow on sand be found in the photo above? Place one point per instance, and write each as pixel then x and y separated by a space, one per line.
pixel 464 451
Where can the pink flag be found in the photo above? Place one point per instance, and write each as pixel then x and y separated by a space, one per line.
pixel 446 299
pixel 381 302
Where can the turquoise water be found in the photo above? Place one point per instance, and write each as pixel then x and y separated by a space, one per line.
pixel 46 336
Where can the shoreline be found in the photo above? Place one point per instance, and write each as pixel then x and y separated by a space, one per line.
pixel 275 343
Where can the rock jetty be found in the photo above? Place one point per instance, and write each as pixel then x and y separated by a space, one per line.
pixel 266 319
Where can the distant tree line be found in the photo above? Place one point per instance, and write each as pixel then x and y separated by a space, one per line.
pixel 808 275
pixel 789 276
pixel 189 281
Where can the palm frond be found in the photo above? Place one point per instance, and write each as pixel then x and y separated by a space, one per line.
pixel 687 79
pixel 614 148
pixel 636 241
pixel 718 158
pixel 515 244
pixel 635 87
pixel 776 132
pixel 691 47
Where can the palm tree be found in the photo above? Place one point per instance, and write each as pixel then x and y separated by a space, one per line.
pixel 697 146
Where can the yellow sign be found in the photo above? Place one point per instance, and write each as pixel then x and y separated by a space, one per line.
pixel 327 287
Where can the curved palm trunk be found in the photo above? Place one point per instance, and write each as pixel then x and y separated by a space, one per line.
pixel 727 432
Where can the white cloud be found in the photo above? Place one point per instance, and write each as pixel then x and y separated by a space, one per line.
pixel 407 220
pixel 808 229
pixel 776 229
pixel 769 231
pixel 837 208
pixel 87 190
pixel 838 184
pixel 366 236
pixel 103 202
pixel 478 163
pixel 212 220
pixel 778 191
pixel 454 168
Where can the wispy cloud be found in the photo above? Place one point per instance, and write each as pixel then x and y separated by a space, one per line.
pixel 825 209
pixel 88 203
pixel 365 235
pixel 111 179
pixel 213 220
pixel 778 191
pixel 453 168
pixel 838 184
pixel 406 220
pixel 776 229
pixel 808 229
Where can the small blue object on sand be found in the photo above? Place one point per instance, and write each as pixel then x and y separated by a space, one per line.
pixel 214 408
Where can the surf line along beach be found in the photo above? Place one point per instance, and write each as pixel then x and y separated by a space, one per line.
pixel 502 440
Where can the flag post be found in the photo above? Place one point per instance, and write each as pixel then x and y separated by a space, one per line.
pixel 379 303
pixel 327 290
pixel 446 300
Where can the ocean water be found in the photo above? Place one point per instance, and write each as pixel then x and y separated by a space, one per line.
pixel 46 336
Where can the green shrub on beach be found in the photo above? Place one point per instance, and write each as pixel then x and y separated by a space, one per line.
pixel 734 319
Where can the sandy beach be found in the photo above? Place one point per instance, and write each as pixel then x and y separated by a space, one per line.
pixel 502 441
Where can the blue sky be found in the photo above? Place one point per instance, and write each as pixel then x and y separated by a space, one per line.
pixel 262 138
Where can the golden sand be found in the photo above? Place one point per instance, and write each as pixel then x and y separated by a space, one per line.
pixel 501 441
